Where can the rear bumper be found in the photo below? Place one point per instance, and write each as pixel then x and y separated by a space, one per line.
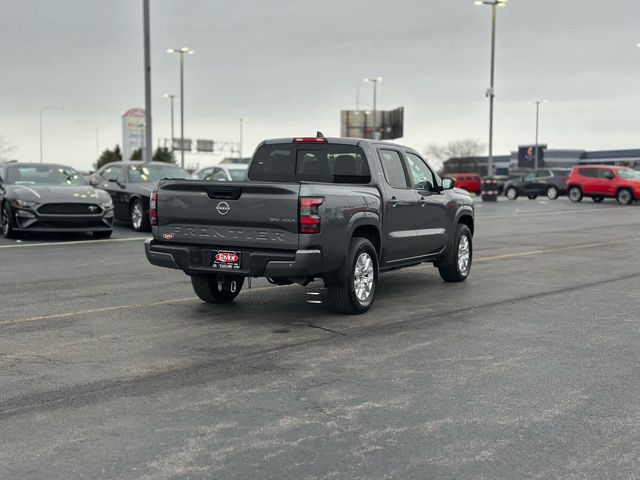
pixel 255 263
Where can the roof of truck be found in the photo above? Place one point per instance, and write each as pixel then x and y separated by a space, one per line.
pixel 338 140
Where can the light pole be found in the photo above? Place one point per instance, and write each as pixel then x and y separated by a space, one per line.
pixel 148 147
pixel 181 51
pixel 95 126
pixel 375 81
pixel 537 102
pixel 491 91
pixel 42 110
pixel 241 135
pixel 171 98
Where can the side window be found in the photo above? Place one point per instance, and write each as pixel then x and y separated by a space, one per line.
pixel 529 176
pixel 113 172
pixel 421 174
pixel 543 174
pixel 605 173
pixel 393 169
pixel 589 172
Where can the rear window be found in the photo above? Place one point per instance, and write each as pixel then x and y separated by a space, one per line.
pixel 324 163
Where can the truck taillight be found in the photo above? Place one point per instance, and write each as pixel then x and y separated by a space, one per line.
pixel 153 205
pixel 310 214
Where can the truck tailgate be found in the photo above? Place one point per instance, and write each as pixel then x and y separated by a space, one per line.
pixel 242 215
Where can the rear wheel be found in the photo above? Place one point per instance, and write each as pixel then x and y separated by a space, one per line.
pixel 106 234
pixel 139 220
pixel 457 265
pixel 597 199
pixel 512 193
pixel 5 220
pixel 210 290
pixel 552 193
pixel 354 287
pixel 575 194
pixel 624 196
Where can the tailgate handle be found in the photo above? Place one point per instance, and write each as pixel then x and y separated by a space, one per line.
pixel 224 193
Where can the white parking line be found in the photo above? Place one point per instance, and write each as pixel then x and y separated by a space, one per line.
pixel 529 253
pixel 535 213
pixel 76 242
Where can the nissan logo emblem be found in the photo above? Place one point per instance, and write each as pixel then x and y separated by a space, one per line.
pixel 223 208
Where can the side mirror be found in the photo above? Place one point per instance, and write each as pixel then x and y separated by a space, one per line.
pixel 448 183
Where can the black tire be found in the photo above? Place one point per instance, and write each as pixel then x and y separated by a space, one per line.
pixel 139 224
pixel 8 230
pixel 511 193
pixel 597 199
pixel 451 270
pixel 360 265
pixel 532 197
pixel 206 287
pixel 106 234
pixel 575 194
pixel 624 196
pixel 552 193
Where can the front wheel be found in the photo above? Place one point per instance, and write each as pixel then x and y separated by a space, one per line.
pixel 139 221
pixel 552 193
pixel 354 288
pixel 210 290
pixel 512 193
pixel 575 194
pixel 457 265
pixel 5 220
pixel 624 196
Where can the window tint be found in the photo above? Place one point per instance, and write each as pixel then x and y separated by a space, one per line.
pixel 114 171
pixel 326 163
pixel 148 173
pixel 530 176
pixel 605 173
pixel 332 164
pixel 393 170
pixel 589 172
pixel 420 173
pixel 542 173
pixel 274 163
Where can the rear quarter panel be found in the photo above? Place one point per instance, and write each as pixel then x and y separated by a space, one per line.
pixel 345 208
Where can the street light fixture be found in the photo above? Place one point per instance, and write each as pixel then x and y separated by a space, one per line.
pixel 42 110
pixel 491 91
pixel 171 98
pixel 375 81
pixel 537 103
pixel 181 51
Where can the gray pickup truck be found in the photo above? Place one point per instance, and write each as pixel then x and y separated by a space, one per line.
pixel 340 209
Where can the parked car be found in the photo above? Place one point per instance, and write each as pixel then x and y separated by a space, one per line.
pixel 130 185
pixel 603 181
pixel 47 197
pixel 471 182
pixel 551 182
pixel 223 173
pixel 339 209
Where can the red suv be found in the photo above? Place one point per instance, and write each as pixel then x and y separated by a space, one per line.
pixel 600 181
pixel 469 181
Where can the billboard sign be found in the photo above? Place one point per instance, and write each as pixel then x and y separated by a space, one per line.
pixel 133 131
pixel 527 156
pixel 204 145
pixel 389 124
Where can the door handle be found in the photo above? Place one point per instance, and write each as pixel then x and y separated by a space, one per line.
pixel 422 201
pixel 394 202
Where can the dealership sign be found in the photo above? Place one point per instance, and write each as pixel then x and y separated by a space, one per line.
pixel 133 131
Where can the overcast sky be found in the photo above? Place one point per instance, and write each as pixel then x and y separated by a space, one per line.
pixel 290 66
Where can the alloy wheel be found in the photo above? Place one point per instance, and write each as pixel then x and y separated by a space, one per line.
pixel 136 215
pixel 464 254
pixel 363 277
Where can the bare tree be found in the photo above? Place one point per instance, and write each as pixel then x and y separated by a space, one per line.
pixel 439 154
pixel 5 149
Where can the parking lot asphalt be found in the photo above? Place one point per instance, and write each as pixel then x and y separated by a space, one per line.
pixel 111 368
